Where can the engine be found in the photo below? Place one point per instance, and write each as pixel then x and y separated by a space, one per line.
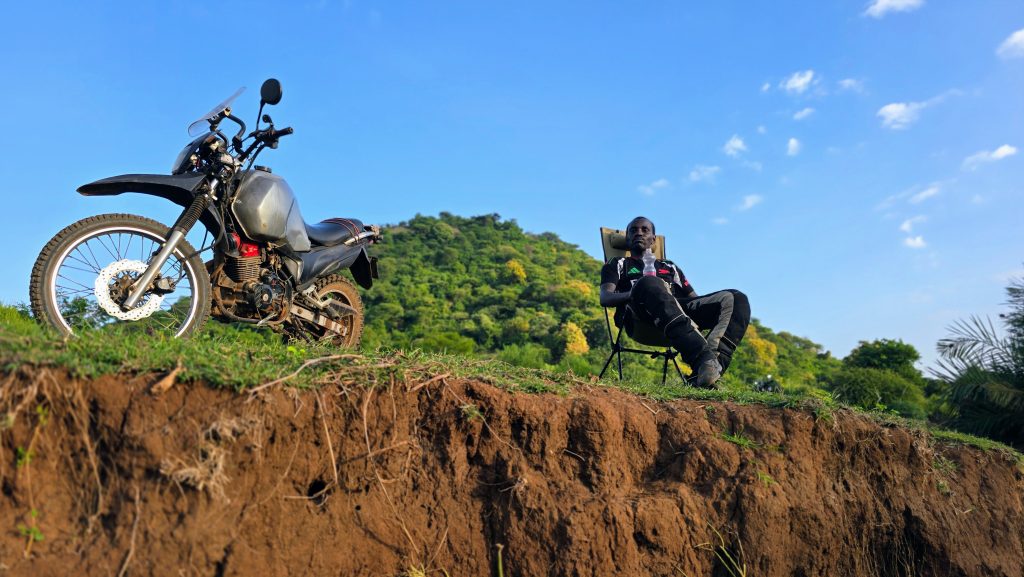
pixel 248 288
pixel 269 295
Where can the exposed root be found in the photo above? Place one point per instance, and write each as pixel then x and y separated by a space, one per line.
pixel 206 473
pixel 327 435
pixel 131 542
pixel 168 380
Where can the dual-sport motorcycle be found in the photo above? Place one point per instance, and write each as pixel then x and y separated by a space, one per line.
pixel 269 267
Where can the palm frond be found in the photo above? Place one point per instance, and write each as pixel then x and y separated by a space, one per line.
pixel 998 390
pixel 975 342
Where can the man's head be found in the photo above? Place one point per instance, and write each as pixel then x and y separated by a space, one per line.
pixel 640 235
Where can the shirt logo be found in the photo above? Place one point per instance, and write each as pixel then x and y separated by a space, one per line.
pixel 633 270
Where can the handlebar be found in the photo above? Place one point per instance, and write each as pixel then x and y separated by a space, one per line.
pixel 271 136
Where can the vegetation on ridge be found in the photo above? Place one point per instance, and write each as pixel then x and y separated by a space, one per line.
pixel 483 289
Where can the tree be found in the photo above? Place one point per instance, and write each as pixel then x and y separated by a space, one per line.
pixel 575 341
pixel 886 354
pixel 881 374
pixel 872 388
pixel 985 373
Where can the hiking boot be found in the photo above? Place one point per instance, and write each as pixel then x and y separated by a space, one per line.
pixel 708 374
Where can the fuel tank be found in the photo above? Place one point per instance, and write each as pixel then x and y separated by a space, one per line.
pixel 266 209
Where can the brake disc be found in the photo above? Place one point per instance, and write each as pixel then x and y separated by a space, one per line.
pixel 114 271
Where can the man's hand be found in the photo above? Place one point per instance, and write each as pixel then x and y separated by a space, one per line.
pixel 612 298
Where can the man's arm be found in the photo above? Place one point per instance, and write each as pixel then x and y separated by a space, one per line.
pixel 611 298
pixel 611 273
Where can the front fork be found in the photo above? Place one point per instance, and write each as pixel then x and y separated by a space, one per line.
pixel 181 227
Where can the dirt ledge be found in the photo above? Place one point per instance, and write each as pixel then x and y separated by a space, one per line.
pixel 434 475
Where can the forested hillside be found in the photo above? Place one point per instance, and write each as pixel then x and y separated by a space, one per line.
pixel 482 285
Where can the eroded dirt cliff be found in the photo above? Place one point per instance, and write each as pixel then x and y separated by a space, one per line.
pixel 440 475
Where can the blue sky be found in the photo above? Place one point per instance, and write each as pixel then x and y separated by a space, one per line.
pixel 856 167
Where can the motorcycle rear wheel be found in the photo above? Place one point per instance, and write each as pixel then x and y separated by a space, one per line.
pixel 85 271
pixel 342 290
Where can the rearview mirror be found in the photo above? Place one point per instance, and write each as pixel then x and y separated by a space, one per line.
pixel 270 92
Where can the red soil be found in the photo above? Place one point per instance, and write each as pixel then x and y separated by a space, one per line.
pixel 437 476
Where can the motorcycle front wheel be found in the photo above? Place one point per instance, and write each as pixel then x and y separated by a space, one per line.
pixel 85 273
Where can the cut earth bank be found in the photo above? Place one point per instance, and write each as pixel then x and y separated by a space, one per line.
pixel 449 476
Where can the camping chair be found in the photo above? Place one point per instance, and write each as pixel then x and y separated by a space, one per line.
pixel 615 245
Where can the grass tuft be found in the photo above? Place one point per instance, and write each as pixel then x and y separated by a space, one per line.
pixel 737 438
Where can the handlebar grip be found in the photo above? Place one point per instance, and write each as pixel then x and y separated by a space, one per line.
pixel 283 132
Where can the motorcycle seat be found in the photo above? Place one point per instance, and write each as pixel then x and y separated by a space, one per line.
pixel 333 231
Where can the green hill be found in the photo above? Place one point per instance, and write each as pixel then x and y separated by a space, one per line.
pixel 484 286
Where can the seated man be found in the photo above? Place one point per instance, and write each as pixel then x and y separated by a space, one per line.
pixel 667 301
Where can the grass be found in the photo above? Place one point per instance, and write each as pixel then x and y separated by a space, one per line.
pixel 737 438
pixel 944 466
pixel 241 358
pixel 765 479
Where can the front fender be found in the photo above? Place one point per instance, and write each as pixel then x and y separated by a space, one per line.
pixel 179 189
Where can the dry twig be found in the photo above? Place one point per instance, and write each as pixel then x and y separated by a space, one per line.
pixel 305 365
pixel 430 381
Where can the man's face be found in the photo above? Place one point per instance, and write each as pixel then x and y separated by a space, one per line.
pixel 640 234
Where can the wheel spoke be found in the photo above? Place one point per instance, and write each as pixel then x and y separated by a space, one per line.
pixel 75 282
pixel 105 247
pixel 93 255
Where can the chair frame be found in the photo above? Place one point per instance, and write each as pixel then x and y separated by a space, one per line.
pixel 614 244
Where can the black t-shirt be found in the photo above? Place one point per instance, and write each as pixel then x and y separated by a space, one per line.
pixel 624 271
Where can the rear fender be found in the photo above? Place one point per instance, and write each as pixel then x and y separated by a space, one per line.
pixel 364 269
pixel 322 261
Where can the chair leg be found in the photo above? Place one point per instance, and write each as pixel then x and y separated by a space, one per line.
pixel 678 370
pixel 664 369
pixel 606 363
pixel 619 351
pixel 616 349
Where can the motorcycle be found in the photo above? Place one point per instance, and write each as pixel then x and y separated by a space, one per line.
pixel 269 267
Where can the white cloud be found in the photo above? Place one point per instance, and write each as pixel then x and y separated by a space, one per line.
pixel 1003 151
pixel 915 242
pixel 802 114
pixel 900 115
pixel 650 189
pixel 913 195
pixel 761 129
pixel 924 194
pixel 750 201
pixel 1012 47
pixel 798 82
pixel 766 87
pixel 734 146
pixel 753 165
pixel 851 84
pixel 908 225
pixel 973 161
pixel 702 172
pixel 720 221
pixel 793 147
pixel 880 8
